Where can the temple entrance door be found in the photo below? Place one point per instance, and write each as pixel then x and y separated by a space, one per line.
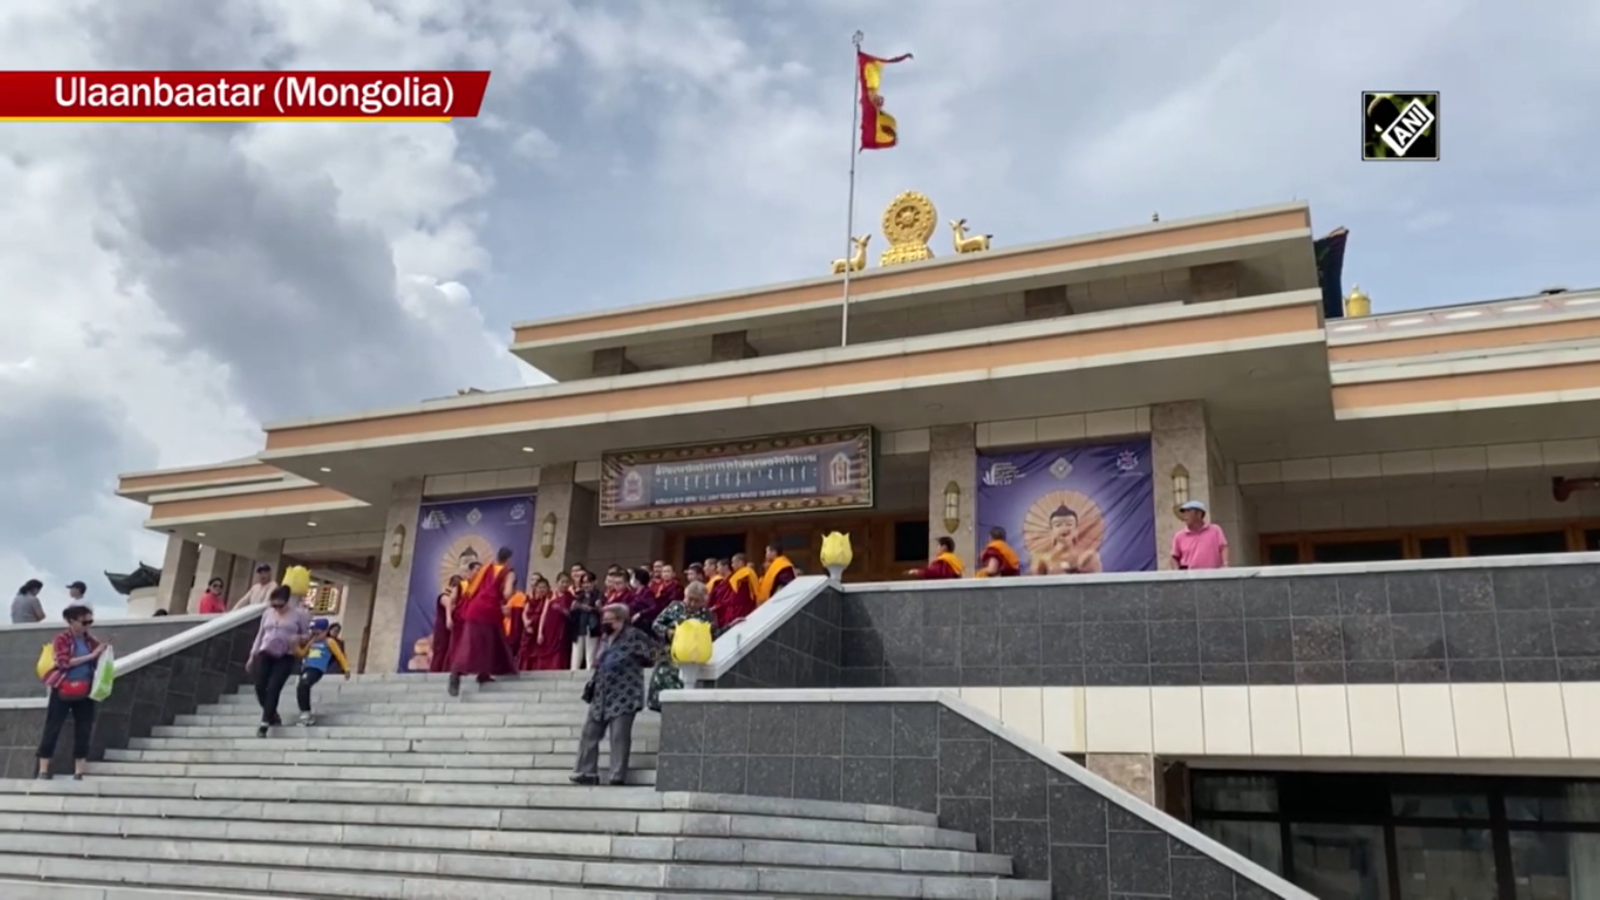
pixel 799 541
pixel 701 547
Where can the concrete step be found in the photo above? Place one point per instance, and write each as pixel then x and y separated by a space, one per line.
pixel 355 690
pixel 283 756
pixel 459 719
pixel 57 890
pixel 574 710
pixel 312 740
pixel 571 816
pixel 559 844
pixel 257 866
pixel 512 798
pixel 363 773
pixel 644 727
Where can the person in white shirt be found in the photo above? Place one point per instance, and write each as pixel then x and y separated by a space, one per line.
pixel 260 589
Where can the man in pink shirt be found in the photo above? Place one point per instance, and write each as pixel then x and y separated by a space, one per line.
pixel 1199 544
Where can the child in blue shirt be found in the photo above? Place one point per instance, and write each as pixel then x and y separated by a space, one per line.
pixel 321 653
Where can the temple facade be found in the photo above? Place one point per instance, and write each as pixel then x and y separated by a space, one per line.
pixel 1073 392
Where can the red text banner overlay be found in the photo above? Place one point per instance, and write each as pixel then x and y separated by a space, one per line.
pixel 240 96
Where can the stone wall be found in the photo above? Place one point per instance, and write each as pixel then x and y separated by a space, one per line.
pixel 1460 621
pixel 1053 819
pixel 20 645
pixel 154 694
pixel 802 653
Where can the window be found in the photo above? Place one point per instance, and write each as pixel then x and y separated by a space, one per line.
pixel 1412 837
pixel 911 541
pixel 1358 551
pixel 1516 544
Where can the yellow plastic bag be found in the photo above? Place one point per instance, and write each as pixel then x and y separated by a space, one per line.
pixel 691 643
pixel 297 580
pixel 47 661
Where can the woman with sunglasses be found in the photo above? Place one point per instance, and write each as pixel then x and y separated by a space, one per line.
pixel 285 628
pixel 76 653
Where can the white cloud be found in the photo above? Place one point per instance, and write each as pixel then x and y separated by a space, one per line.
pixel 170 287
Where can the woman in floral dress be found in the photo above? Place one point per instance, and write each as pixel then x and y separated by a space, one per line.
pixel 693 606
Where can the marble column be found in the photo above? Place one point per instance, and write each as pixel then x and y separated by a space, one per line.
pixel 177 575
pixel 564 513
pixel 384 653
pixel 1178 437
pixel 212 563
pixel 1137 773
pixel 953 460
pixel 358 596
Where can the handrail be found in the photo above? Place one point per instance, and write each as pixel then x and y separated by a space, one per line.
pixel 183 640
pixel 735 643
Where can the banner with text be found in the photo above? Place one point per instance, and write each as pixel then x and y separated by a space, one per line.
pixel 785 474
pixel 240 96
pixel 451 536
pixel 1086 509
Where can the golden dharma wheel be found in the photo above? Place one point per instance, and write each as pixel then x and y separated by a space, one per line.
pixel 908 222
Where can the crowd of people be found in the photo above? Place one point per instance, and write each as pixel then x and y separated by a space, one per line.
pixel 487 624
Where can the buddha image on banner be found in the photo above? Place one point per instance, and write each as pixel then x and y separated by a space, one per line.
pixel 451 537
pixel 1072 510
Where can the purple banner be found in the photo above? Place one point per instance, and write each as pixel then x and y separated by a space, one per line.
pixel 450 537
pixel 1087 508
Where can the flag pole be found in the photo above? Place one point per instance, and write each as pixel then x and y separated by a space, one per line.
pixel 850 215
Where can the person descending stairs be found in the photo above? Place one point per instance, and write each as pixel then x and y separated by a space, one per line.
pixel 401 793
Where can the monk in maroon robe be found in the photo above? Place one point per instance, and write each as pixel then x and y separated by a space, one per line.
pixel 443 609
pixel 739 599
pixel 545 647
pixel 667 590
pixel 478 646
pixel 943 565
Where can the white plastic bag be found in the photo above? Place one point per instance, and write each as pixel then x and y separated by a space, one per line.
pixel 105 673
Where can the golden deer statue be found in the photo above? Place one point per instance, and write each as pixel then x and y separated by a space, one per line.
pixel 974 244
pixel 857 260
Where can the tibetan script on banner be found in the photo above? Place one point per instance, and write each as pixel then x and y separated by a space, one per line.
pixel 765 476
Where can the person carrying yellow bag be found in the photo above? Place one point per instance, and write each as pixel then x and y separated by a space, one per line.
pixel 685 628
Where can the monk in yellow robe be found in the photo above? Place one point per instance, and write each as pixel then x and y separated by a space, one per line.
pixel 998 560
pixel 777 575
pixel 944 564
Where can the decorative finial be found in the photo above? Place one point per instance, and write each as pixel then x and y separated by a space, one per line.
pixel 908 222
pixel 1155 217
pixel 977 243
pixel 858 256
pixel 1357 304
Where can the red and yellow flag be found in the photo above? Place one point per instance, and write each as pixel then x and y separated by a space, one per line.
pixel 878 129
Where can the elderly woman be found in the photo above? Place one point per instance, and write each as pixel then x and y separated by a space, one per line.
pixel 615 694
pixel 693 606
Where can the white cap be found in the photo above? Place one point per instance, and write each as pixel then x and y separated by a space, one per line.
pixel 1192 504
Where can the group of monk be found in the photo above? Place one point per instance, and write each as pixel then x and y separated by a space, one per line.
pixel 996 560
pixel 484 625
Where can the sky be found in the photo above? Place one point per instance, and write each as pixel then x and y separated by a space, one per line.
pixel 171 287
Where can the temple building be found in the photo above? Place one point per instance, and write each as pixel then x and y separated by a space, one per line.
pixel 1074 392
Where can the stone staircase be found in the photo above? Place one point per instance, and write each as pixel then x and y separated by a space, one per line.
pixel 400 791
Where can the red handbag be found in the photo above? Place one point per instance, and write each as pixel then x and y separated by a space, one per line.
pixel 74 688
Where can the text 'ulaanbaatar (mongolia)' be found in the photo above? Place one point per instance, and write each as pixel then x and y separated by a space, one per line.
pixel 240 96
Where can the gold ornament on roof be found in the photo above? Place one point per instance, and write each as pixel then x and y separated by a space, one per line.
pixel 858 258
pixel 977 243
pixel 1357 303
pixel 908 223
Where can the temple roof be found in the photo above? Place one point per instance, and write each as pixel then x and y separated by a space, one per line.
pixel 142 577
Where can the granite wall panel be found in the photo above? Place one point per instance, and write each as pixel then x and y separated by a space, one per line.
pixel 926 756
pixel 1534 623
pixel 19 646
pixel 153 695
pixel 802 653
